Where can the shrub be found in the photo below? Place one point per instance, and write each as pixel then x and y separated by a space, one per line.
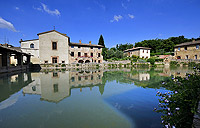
pixel 151 60
pixel 134 56
pixel 77 64
pixel 63 65
pixel 174 63
pixel 180 103
pixel 134 60
pixel 159 60
pixel 191 64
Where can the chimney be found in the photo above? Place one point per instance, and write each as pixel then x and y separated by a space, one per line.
pixel 90 42
pixel 80 41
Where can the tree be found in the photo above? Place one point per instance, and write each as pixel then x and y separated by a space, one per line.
pixel 105 53
pixel 101 41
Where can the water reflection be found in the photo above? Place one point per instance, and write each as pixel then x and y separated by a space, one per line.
pixel 94 98
pixel 10 84
pixel 55 86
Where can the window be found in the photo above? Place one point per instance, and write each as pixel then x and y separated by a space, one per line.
pixel 73 79
pixel 99 61
pixel 63 62
pixel 143 51
pixel 86 77
pixel 54 60
pixel 54 45
pixel 34 88
pixel 85 54
pixel 46 62
pixel 197 46
pixel 91 77
pixel 31 45
pixel 91 54
pixel 99 54
pixel 55 74
pixel 79 78
pixel 179 48
pixel 91 47
pixel 185 48
pixel 195 57
pixel 186 57
pixel 79 46
pixel 79 54
pixel 72 46
pixel 55 87
pixel 72 53
pixel 147 51
pixel 99 48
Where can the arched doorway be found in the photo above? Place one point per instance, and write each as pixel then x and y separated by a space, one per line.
pixel 80 61
pixel 87 61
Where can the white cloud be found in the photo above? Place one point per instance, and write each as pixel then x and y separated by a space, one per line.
pixel 116 18
pixel 46 9
pixel 17 8
pixel 7 25
pixel 131 16
pixel 103 7
pixel 124 6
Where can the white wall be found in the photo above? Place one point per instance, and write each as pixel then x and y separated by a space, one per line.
pixel 25 47
pixel 45 44
pixel 145 54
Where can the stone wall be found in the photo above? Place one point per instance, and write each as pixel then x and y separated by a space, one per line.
pixel 83 51
pixel 191 52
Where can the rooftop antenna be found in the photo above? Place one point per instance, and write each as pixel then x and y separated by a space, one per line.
pixel 4 39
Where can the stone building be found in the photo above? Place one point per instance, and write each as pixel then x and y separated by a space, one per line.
pixel 12 59
pixel 54 47
pixel 141 52
pixel 188 50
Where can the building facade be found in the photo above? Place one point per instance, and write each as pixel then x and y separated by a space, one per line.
pixel 54 47
pixel 188 50
pixel 141 52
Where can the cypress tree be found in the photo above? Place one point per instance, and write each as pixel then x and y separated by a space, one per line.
pixel 101 41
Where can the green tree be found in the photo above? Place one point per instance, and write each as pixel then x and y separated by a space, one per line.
pixel 101 41
pixel 105 53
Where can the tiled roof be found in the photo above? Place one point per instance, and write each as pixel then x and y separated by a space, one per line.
pixel 163 56
pixel 52 31
pixel 88 45
pixel 137 48
pixel 13 49
pixel 27 40
pixel 188 43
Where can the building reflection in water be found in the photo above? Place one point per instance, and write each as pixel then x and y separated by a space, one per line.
pixel 10 84
pixel 55 86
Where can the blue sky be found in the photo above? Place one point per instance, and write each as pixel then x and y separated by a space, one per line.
pixel 119 21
